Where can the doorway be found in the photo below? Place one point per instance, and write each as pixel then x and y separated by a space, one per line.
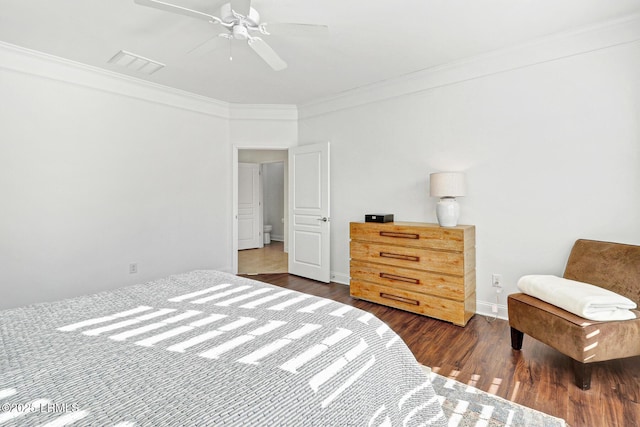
pixel 268 253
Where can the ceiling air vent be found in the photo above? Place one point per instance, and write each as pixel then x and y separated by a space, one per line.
pixel 136 62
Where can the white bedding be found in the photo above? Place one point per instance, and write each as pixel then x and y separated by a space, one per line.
pixel 583 299
pixel 207 348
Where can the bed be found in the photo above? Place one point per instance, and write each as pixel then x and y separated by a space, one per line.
pixel 207 348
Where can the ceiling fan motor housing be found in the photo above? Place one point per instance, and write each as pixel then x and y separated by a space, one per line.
pixel 240 32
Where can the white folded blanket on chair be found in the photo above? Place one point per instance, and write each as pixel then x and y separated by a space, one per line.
pixel 583 299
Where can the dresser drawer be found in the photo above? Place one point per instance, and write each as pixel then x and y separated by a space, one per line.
pixel 418 267
pixel 404 234
pixel 410 257
pixel 447 286
pixel 441 308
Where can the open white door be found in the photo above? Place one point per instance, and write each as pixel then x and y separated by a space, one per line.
pixel 309 225
pixel 249 223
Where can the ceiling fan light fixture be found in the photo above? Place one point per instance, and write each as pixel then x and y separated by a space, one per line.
pixel 240 32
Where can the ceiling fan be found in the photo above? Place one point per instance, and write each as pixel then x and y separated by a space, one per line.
pixel 242 22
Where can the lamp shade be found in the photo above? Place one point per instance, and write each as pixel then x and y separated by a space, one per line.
pixel 447 184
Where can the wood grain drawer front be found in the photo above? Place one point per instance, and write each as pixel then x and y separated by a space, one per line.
pixel 452 287
pixel 418 267
pixel 441 308
pixel 408 257
pixel 432 237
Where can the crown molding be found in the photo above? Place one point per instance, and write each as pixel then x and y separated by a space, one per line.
pixel 263 112
pixel 27 61
pixel 601 36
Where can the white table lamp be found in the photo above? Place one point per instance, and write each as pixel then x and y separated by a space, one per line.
pixel 447 186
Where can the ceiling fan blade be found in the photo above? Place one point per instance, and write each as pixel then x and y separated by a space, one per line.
pixel 241 6
pixel 168 7
pixel 267 53
pixel 291 29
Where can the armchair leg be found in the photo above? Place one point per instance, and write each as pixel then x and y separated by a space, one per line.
pixel 582 372
pixel 516 339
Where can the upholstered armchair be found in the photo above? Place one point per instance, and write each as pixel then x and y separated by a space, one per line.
pixel 612 266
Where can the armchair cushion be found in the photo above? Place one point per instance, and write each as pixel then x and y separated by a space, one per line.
pixel 589 301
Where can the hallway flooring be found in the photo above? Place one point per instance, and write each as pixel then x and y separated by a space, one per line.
pixel 270 259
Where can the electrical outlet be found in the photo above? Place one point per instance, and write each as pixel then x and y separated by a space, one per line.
pixel 133 268
pixel 496 280
pixel 494 308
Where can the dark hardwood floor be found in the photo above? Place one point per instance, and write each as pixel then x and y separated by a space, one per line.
pixel 480 355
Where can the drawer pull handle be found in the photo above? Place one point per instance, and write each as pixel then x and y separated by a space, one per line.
pixel 400 278
pixel 401 299
pixel 398 256
pixel 399 235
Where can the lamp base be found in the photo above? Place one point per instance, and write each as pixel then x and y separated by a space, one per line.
pixel 448 211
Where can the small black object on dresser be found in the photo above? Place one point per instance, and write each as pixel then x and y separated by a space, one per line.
pixel 378 218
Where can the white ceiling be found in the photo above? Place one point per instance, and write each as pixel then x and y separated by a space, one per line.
pixel 369 40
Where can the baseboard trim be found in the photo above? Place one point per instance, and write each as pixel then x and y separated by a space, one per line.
pixel 486 309
pixel 343 279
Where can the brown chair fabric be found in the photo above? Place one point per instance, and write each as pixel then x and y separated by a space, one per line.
pixel 613 266
pixel 583 340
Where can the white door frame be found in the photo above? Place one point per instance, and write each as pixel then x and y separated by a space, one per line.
pixel 234 198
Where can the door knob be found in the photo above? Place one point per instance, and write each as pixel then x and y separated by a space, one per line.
pixel 323 219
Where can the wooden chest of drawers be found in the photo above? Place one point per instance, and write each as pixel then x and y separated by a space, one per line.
pixel 418 267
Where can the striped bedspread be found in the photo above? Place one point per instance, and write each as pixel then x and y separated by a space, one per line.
pixel 207 348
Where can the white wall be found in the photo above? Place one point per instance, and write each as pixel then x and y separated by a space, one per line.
pixel 551 151
pixel 98 171
pixel 263 126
